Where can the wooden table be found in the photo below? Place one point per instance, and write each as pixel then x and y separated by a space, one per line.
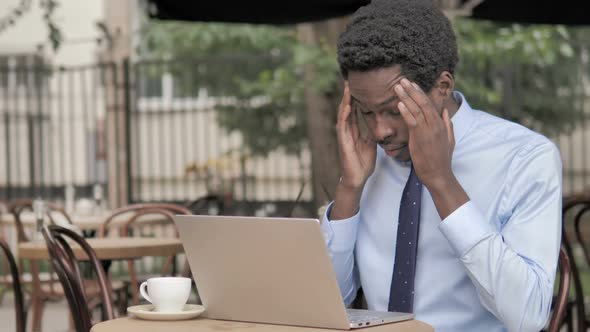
pixel 110 248
pixel 129 324
pixel 85 222
pixel 105 248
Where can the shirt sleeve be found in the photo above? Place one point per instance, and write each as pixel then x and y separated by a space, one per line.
pixel 340 237
pixel 513 265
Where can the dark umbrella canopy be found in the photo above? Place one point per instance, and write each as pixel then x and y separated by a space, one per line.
pixel 568 12
pixel 253 11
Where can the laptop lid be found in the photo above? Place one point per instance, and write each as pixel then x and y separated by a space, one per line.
pixel 268 270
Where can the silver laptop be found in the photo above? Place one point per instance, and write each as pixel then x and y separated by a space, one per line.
pixel 268 270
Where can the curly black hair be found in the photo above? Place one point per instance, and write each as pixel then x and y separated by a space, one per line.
pixel 414 34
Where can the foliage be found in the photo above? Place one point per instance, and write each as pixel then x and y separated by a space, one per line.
pixel 261 66
pixel 48 6
pixel 529 74
pixel 14 14
pixel 55 35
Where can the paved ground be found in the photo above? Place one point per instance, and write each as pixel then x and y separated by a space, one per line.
pixel 55 317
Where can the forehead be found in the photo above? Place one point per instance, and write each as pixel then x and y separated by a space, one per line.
pixel 374 86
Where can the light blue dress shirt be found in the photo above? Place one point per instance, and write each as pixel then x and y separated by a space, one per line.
pixel 491 264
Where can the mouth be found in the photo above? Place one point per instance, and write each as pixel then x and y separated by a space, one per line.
pixel 392 151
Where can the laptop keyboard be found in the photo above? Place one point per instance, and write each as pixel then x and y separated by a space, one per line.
pixel 361 316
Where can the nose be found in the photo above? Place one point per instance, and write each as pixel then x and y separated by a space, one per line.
pixel 383 129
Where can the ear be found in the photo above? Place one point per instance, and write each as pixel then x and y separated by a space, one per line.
pixel 444 85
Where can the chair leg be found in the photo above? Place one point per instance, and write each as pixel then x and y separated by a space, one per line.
pixel 134 282
pixel 37 308
pixel 123 300
pixel 3 291
pixel 71 325
pixel 570 320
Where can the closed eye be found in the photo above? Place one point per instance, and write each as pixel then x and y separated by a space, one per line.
pixel 393 112
pixel 359 107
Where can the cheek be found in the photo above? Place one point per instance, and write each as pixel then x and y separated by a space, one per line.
pixel 403 131
pixel 437 100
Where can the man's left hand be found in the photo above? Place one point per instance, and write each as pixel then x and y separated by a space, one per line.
pixel 432 139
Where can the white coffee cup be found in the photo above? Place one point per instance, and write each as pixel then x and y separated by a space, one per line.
pixel 167 294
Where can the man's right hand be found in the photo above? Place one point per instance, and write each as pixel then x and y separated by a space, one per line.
pixel 357 160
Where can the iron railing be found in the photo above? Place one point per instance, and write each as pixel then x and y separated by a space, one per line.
pixel 149 131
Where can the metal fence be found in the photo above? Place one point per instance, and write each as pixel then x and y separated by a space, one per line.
pixel 51 129
pixel 59 126
pixel 181 151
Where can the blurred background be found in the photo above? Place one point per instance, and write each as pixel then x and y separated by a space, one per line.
pixel 99 93
pixel 229 107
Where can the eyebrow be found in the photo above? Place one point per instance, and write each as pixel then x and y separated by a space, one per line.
pixel 387 101
pixel 381 104
pixel 357 101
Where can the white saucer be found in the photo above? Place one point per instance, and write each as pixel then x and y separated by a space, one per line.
pixel 146 311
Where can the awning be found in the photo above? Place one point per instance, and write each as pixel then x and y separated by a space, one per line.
pixel 568 12
pixel 253 11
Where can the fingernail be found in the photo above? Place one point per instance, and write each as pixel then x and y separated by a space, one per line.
pixel 405 81
pixel 398 88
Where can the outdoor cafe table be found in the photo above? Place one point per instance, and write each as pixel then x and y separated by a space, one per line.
pixel 129 324
pixel 105 248
pixel 85 222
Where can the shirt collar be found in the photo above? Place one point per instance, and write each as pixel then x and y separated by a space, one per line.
pixel 464 117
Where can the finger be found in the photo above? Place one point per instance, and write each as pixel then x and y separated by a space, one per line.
pixel 450 130
pixel 421 99
pixel 343 125
pixel 354 124
pixel 430 112
pixel 408 117
pixel 344 109
pixel 409 103
pixel 346 97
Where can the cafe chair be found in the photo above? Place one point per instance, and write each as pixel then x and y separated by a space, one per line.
pixel 574 208
pixel 49 285
pixel 6 276
pixel 66 266
pixel 145 220
pixel 19 307
pixel 582 241
pixel 207 204
pixel 560 306
pixel 54 215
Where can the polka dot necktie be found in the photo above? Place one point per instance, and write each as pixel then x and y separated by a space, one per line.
pixel 401 296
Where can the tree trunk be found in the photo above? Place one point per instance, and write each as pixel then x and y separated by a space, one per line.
pixel 321 114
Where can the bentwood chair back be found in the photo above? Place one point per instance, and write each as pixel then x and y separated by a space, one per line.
pixel 19 308
pixel 560 306
pixel 145 220
pixel 66 266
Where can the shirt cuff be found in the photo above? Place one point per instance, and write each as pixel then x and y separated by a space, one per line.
pixel 340 235
pixel 465 227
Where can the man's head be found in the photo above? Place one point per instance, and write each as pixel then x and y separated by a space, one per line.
pixel 386 41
